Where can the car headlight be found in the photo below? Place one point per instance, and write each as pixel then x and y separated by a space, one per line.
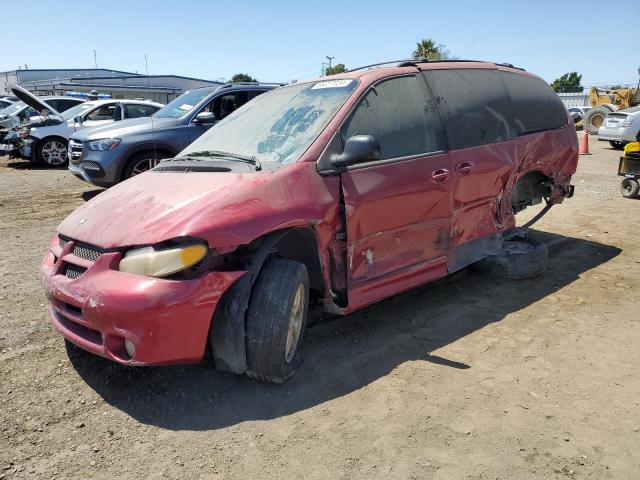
pixel 150 262
pixel 103 145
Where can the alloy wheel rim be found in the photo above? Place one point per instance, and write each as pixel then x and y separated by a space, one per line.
pixel 144 166
pixel 295 324
pixel 54 153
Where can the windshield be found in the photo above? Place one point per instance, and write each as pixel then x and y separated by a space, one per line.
pixel 77 110
pixel 279 125
pixel 12 109
pixel 182 105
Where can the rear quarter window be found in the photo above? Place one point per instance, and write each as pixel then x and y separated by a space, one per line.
pixel 474 104
pixel 536 106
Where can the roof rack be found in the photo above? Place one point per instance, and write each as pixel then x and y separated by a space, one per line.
pixel 234 84
pixel 412 62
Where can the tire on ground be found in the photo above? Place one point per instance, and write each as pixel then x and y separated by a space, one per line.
pixel 57 146
pixel 617 145
pixel 141 157
pixel 268 318
pixel 522 257
pixel 629 188
pixel 594 119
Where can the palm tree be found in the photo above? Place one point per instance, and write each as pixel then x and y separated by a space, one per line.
pixel 429 50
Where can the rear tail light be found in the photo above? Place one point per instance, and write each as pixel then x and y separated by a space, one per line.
pixel 628 121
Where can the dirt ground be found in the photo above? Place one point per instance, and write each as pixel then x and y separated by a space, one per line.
pixel 470 377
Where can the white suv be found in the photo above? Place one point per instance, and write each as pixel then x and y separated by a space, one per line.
pixel 48 144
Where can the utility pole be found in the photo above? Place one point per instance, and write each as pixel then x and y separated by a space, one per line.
pixel 329 58
pixel 95 59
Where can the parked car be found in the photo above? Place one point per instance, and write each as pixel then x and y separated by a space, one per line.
pixel 334 193
pixel 5 102
pixel 49 144
pixel 620 127
pixel 107 155
pixel 20 113
pixel 582 111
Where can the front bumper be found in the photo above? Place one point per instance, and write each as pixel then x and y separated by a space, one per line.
pixel 167 320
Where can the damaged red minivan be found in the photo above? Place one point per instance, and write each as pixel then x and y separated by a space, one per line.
pixel 332 194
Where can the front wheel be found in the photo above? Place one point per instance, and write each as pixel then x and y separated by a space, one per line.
pixel 276 320
pixel 141 162
pixel 629 188
pixel 52 152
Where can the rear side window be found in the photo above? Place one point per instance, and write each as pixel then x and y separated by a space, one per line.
pixel 134 110
pixel 536 107
pixel 474 104
pixel 399 115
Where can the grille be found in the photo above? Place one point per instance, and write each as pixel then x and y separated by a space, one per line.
pixel 74 271
pixel 62 242
pixel 86 252
pixel 75 151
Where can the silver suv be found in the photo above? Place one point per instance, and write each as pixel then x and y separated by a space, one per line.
pixel 107 155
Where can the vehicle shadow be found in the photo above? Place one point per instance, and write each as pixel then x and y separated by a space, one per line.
pixel 342 354
pixel 89 194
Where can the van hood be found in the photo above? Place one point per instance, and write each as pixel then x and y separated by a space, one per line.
pixel 157 206
pixel 33 101
pixel 125 127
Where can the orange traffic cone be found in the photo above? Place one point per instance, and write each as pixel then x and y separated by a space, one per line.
pixel 584 144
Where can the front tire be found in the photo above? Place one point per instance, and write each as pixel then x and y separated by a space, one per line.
pixel 629 188
pixel 617 145
pixel 141 162
pixel 52 152
pixel 276 320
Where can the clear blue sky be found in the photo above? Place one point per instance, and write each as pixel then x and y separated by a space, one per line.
pixel 285 40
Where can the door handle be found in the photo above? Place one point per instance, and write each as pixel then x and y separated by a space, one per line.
pixel 464 168
pixel 440 175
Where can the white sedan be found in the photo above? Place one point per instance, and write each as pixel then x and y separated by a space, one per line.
pixel 48 143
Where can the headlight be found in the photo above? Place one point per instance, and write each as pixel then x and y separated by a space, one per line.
pixel 104 144
pixel 150 262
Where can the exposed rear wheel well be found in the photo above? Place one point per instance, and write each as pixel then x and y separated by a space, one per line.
pixel 529 190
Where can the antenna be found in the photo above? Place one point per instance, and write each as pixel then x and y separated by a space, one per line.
pixel 153 130
pixel 95 59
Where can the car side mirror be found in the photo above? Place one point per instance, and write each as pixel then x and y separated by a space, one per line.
pixel 77 119
pixel 357 149
pixel 204 118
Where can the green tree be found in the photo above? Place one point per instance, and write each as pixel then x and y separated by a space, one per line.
pixel 337 68
pixel 243 77
pixel 428 49
pixel 569 82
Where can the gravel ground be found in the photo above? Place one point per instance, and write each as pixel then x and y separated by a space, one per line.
pixel 470 377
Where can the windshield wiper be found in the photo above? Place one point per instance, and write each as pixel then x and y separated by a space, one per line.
pixel 220 154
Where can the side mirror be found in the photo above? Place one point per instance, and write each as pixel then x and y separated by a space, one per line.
pixel 204 118
pixel 77 119
pixel 359 148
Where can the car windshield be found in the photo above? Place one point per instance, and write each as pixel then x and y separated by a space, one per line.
pixel 279 125
pixel 77 110
pixel 182 105
pixel 12 109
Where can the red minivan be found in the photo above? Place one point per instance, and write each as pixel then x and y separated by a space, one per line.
pixel 334 194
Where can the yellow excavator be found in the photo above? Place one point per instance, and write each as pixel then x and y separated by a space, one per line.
pixel 604 101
